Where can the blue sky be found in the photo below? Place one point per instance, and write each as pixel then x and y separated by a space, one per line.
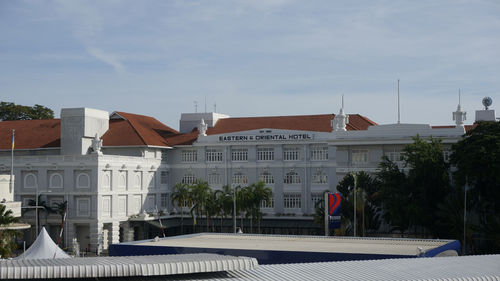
pixel 253 57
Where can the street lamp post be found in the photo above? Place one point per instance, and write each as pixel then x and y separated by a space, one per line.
pixel 36 207
pixel 354 194
pixel 234 209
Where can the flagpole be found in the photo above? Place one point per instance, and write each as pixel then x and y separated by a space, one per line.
pixel 12 162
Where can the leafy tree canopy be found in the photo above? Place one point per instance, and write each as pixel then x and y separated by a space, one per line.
pixel 10 111
pixel 477 161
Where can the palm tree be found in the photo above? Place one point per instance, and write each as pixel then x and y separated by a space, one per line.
pixel 258 192
pixel 242 202
pixel 367 205
pixel 60 209
pixel 181 196
pixel 41 205
pixel 200 193
pixel 7 236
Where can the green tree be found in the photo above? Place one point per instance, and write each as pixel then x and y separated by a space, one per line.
pixel 60 209
pixel 395 196
pixel 7 236
pixel 428 180
pixel 367 209
pixel 319 212
pixel 224 203
pixel 42 204
pixel 256 193
pixel 10 111
pixel 200 194
pixel 477 160
pixel 180 197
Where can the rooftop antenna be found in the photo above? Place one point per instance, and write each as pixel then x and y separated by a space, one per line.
pixel 399 107
pixel 459 98
pixel 342 101
pixel 215 107
pixel 195 107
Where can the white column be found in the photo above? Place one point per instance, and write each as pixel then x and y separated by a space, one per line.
pixel 115 232
pixel 70 230
pixel 96 237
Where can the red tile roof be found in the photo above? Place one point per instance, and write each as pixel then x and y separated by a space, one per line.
pixel 133 129
pixel 30 134
pixel 126 129
pixel 316 123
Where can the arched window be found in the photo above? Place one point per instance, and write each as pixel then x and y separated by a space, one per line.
pixel 188 178
pixel 292 178
pixel 30 181
pixel 137 180
pixel 151 179
pixel 266 177
pixel 122 180
pixel 83 180
pixel 319 177
pixel 106 180
pixel 56 180
pixel 240 178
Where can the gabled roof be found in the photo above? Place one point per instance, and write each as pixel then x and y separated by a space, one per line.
pixel 31 134
pixel 125 129
pixel 133 129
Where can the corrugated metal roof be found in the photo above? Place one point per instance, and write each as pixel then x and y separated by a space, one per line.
pixel 122 266
pixel 362 245
pixel 443 268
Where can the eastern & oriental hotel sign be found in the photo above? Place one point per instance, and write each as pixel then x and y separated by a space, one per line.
pixel 267 137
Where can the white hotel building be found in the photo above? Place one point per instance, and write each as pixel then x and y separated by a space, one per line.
pixel 114 169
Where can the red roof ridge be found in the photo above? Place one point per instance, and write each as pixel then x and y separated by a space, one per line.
pixel 278 116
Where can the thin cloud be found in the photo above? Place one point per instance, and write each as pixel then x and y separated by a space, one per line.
pixel 107 58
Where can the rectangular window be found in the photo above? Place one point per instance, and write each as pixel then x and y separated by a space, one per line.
pixel 316 198
pixel 136 204
pixel 266 178
pixel 106 206
pixel 359 156
pixel 265 154
pixel 164 177
pixel 214 155
pixel 240 178
pixel 239 154
pixel 291 154
pixel 164 155
pixel 82 207
pixel 267 204
pixel 319 153
pixel 214 178
pixel 164 200
pixel 292 200
pixel 319 178
pixel 395 156
pixel 122 205
pixel 189 156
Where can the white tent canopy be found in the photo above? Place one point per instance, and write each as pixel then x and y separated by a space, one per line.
pixel 44 248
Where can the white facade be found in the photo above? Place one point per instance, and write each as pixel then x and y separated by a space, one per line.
pixel 106 187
